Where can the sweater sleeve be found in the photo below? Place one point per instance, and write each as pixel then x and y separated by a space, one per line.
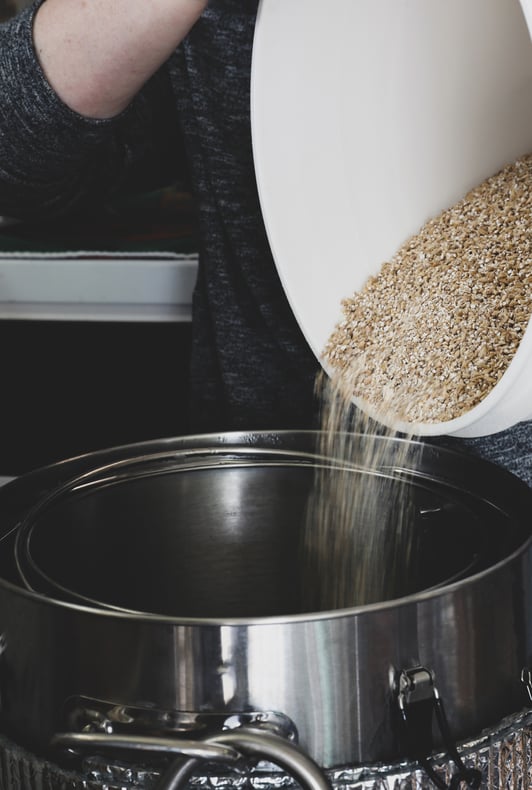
pixel 53 160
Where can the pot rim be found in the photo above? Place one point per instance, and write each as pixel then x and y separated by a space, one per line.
pixel 237 440
pixel 329 615
pixel 335 614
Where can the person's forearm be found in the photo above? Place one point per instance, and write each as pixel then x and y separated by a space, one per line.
pixel 96 54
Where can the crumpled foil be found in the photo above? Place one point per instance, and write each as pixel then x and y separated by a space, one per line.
pixel 503 755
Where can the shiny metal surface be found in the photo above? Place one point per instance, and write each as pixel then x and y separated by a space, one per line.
pixel 103 742
pixel 219 536
pixel 226 747
pixel 328 673
pixel 502 753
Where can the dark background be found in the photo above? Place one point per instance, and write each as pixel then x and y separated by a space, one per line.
pixel 73 387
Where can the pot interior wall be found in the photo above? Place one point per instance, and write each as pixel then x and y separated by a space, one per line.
pixel 224 541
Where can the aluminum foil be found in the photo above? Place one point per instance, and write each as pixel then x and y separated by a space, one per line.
pixel 503 755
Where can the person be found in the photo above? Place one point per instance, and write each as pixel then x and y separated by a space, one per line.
pixel 105 96
pixel 107 100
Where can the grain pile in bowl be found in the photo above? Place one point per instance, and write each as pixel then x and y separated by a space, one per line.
pixel 431 334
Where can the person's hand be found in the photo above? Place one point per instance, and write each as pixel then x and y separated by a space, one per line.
pixel 96 55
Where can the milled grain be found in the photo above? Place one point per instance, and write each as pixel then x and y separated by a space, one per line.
pixel 424 341
pixel 431 334
pixel 360 541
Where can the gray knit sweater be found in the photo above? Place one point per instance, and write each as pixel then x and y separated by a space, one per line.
pixel 251 368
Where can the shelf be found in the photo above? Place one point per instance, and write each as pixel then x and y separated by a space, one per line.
pixel 97 287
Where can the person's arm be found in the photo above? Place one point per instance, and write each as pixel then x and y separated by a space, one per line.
pixel 97 54
pixel 57 153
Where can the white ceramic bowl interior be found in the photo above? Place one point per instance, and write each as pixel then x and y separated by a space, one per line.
pixel 368 118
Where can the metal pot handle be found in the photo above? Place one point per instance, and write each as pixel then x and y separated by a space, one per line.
pixel 255 742
pixel 227 746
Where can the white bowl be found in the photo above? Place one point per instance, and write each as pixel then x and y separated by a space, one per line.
pixel 368 118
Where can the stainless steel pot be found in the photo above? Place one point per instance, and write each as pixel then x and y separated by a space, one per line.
pixel 235 655
pixel 217 535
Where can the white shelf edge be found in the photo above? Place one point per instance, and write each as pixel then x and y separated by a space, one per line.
pixel 122 287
